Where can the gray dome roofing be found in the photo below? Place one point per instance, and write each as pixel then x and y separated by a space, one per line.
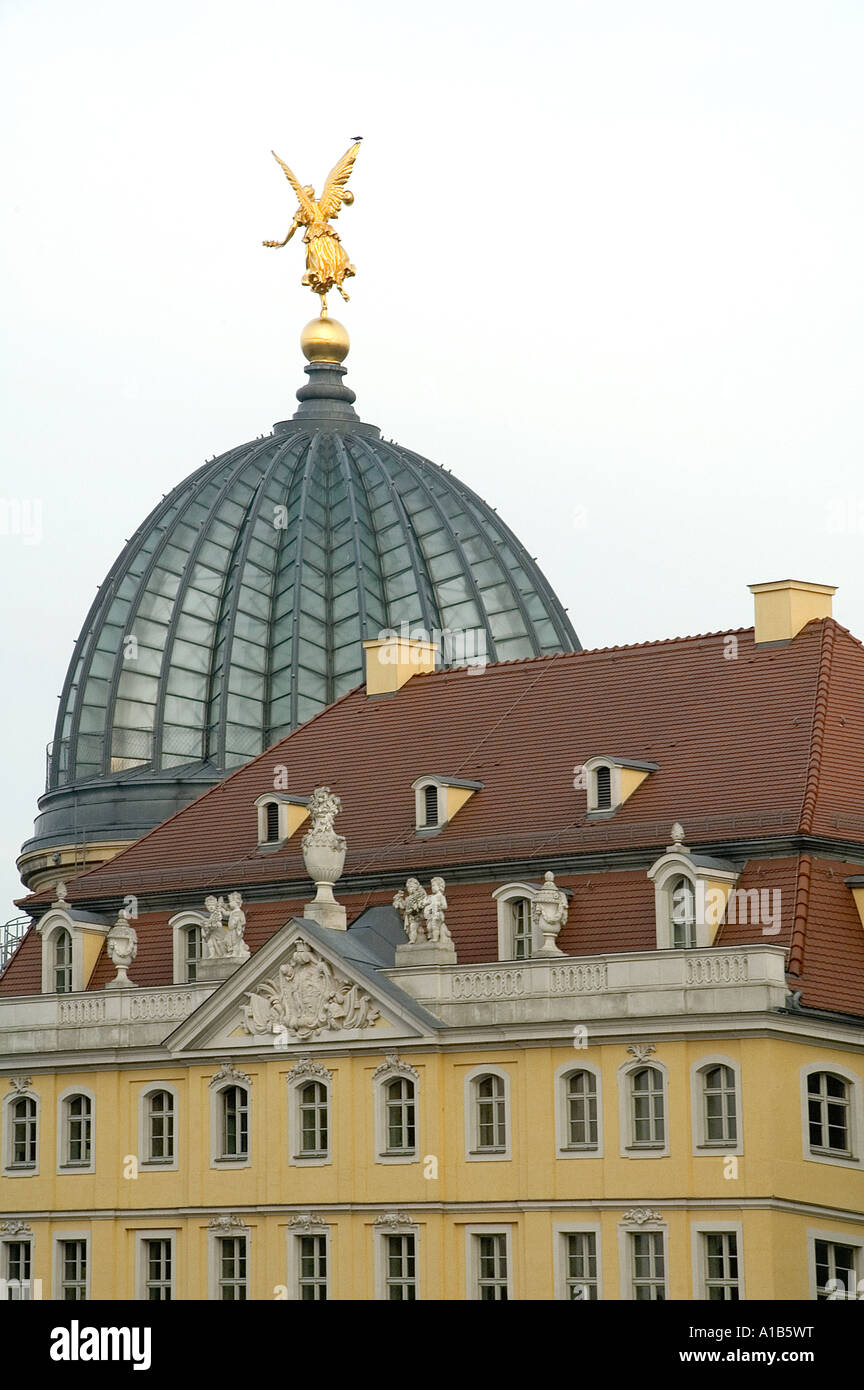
pixel 237 609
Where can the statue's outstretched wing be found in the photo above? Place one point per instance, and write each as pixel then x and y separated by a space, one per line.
pixel 304 201
pixel 334 189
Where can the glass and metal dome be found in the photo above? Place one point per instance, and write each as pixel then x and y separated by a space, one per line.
pixel 237 610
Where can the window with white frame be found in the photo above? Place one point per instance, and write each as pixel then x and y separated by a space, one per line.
pixel 717 1104
pixel 311 1266
pixel 191 953
pixel 488 1126
pixel 490 1266
pixel 581 1115
pixel 400 1266
pixel 21 1138
pixel 278 817
pixel 232 1259
pixel 72 1270
pixel 234 1124
pixel 309 1114
pixel 581 1282
pixel 400 1125
pixel 647 1266
pixel 521 928
pixel 158 1124
pixel 314 1113
pixel 720 1274
pixel 829 1114
pixel 16 1270
pixel 832 1115
pixel 515 903
pixel 837 1268
pixel 75 1131
pixel 156 1257
pixel 691 893
pixel 647 1108
pixel 682 910
pixel 62 950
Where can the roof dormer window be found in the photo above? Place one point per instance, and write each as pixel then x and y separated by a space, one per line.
pixel 691 895
pixel 610 781
pixel 438 799
pixel 279 815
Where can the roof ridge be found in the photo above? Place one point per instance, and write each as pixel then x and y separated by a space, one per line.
pixel 817 728
pixel 586 651
pixel 799 919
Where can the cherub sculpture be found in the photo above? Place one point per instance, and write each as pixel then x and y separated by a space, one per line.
pixel 433 913
pixel 409 902
pixel 327 263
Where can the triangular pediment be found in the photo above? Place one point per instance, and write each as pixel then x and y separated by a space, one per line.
pixel 301 989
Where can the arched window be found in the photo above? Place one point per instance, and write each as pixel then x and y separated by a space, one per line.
pixel 192 953
pixel 682 912
pixel 62 962
pixel 648 1122
pixel 603 788
pixel 719 1116
pixel 491 1114
pixel 159 1127
pixel 399 1116
pixel 430 805
pixel 520 916
pixel 22 1115
pixel 234 1105
pixel 272 822
pixel 580 1099
pixel 77 1131
pixel 828 1114
pixel 314 1122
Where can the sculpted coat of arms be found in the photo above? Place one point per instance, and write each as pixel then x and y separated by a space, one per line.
pixel 307 998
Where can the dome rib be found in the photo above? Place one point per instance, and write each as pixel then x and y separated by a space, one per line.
pixel 430 617
pixel 234 464
pixel 172 507
pixel 457 548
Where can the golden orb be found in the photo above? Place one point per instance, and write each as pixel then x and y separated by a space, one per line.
pixel 324 340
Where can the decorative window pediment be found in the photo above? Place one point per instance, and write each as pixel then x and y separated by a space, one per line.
pixel 439 799
pixel 71 943
pixel 691 893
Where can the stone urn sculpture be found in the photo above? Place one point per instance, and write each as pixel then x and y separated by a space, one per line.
pixel 122 947
pixel 549 912
pixel 324 857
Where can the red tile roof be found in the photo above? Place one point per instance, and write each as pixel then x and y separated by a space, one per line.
pixel 750 744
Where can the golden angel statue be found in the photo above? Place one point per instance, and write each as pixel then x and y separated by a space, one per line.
pixel 327 263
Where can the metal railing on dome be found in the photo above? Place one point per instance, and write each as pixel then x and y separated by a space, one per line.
pixel 11 934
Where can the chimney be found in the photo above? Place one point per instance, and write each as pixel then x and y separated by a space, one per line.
pixel 786 605
pixel 392 660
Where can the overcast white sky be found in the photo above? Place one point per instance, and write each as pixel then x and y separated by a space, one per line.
pixel 609 267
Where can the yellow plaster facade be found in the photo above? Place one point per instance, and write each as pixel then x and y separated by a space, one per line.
pixel 767 1187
